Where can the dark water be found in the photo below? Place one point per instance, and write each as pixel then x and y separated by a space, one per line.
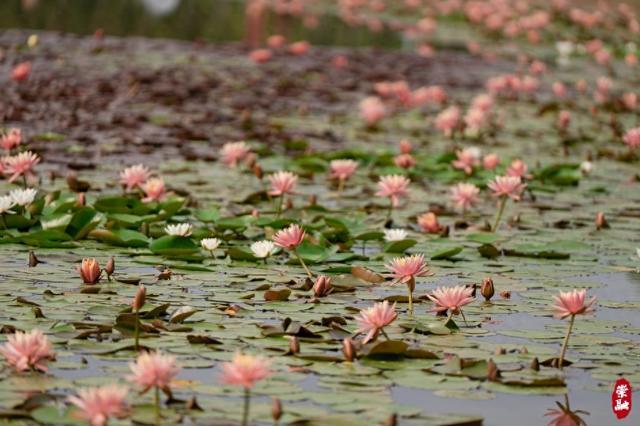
pixel 210 20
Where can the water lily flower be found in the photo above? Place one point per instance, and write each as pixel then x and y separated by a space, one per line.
pixel 564 416
pixel 448 120
pixel 394 235
pixel 405 161
pixel 234 152
pixel 137 304
pixel 570 304
pixel 466 159
pixel 282 183
pixel 505 187
pixel 27 351
pixel 134 176
pixel 263 249
pixel 210 244
pixel 21 165
pixel 372 110
pixel 517 168
pixel 475 119
pixel 464 195
pixel 154 190
pixel 154 370
pixel 490 161
pixel 21 71
pixel 276 41
pixel 342 170
pixel 23 197
pixel 564 118
pixel 99 404
pixel 6 203
pixel 559 89
pixel 179 229
pixel 394 187
pixel 299 47
pixel 404 270
pixel 428 222
pixel 322 287
pixel 451 299
pixel 11 139
pixel 483 102
pixel 246 371
pixel 632 138
pixel 373 320
pixel 487 290
pixel 290 238
pixel 90 271
pixel 630 100
pixel 260 56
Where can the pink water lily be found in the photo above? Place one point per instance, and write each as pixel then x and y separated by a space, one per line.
pixel 27 351
pixel 97 405
pixel 134 176
pixel 405 270
pixel 373 320
pixel 570 304
pixel 394 187
pixel 464 195
pixel 21 165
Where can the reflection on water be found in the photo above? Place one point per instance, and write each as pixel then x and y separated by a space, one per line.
pixel 218 20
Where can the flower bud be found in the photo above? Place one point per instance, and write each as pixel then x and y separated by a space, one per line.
pixel 276 409
pixel 322 286
pixel 492 371
pixel 257 171
pixel 392 420
pixel 535 364
pixel 348 349
pixel 90 271
pixel 486 289
pixel 33 260
pixel 294 345
pixel 139 299
pixel 601 221
pixel 110 268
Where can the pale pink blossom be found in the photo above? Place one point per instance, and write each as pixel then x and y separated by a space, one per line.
pixel 154 190
pixel 529 84
pixel 282 183
pixel 404 269
pixel 448 120
pixel 466 160
pixel 483 102
pixel 564 118
pixel 405 161
pixel 340 61
pixel 572 303
pixel 90 271
pixel 475 119
pixel 428 222
pixel 537 67
pixel 373 320
pixel 232 153
pixel 630 100
pixel 372 110
pixel 260 56
pixel 507 186
pixel 153 370
pixel 343 169
pixel 11 139
pixel 429 94
pixel 134 176
pixel 559 89
pixel 451 298
pixel 20 165
pixel 27 351
pixel 21 71
pixel 245 370
pixel 464 195
pixel 299 47
pixel 517 168
pixel 276 41
pixel 632 138
pixel 289 238
pixel 98 404
pixel 490 161
pixel 405 147
pixel 394 187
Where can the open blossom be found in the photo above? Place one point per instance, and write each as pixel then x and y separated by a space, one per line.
pixel 134 176
pixel 282 183
pixel 428 222
pixel 466 159
pixel 632 138
pixel 90 271
pixel 406 268
pixel 23 197
pixel 405 161
pixel 405 147
pixel 395 235
pixel 289 238
pixel 517 168
pixel 245 370
pixel 372 320
pixel 372 110
pixel 343 169
pixel 451 298
pixel 507 186
pixel 490 161
pixel 475 119
pixel 21 165
pixel 262 249
pixel 630 100
pixel 572 303
pixel 210 244
pixel 394 187
pixel 559 89
pixel 276 41
pixel 464 195
pixel 430 94
pixel 154 190
pixel 483 102
pixel 233 152
pixel 179 229
pixel 153 370
pixel 11 139
pixel 564 118
pixel 448 120
pixel 299 47
pixel 21 71
pixel 6 203
pixel 26 351
pixel 260 56
pixel 98 404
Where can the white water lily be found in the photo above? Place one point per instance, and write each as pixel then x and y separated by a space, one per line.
pixel 564 49
pixel 23 197
pixel 395 235
pixel 210 244
pixel 586 167
pixel 262 249
pixel 6 202
pixel 179 230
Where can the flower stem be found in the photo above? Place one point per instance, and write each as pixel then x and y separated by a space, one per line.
pixel 24 181
pixel 390 212
pixel 503 202
pixel 245 413
pixel 279 211
pixel 340 186
pixel 303 264
pixel 3 222
pixel 384 333
pixel 565 343
pixel 137 331
pixel 157 405
pixel 410 300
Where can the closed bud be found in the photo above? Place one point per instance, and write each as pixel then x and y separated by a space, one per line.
pixel 110 268
pixel 601 221
pixel 392 420
pixel 81 200
pixel 505 294
pixel 348 350
pixel 276 409
pixel 140 298
pixel 33 260
pixel 486 289
pixel 257 171
pixel 492 371
pixel 322 286
pixel 289 204
pixel 313 200
pixel 535 364
pixel 294 345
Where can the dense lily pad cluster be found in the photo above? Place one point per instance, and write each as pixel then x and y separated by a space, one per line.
pixel 377 230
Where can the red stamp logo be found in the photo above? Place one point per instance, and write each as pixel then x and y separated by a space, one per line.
pixel 621 399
